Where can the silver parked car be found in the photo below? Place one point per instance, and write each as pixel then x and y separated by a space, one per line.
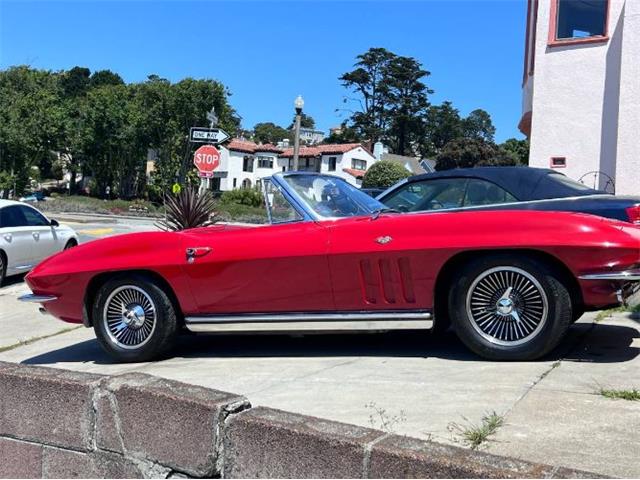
pixel 27 237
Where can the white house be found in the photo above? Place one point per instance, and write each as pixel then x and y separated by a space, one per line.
pixel 243 164
pixel 581 90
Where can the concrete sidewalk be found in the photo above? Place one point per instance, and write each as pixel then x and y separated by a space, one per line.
pixel 412 383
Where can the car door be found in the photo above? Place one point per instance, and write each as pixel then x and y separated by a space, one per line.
pixel 381 264
pixel 264 269
pixel 44 235
pixel 16 239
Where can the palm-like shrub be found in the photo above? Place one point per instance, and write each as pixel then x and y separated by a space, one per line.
pixel 188 209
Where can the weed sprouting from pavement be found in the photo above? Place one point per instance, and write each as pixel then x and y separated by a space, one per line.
pixel 473 435
pixel 381 420
pixel 632 394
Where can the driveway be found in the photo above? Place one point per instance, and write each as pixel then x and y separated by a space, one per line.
pixel 409 383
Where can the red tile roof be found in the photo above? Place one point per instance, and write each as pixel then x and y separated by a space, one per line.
pixel 247 146
pixel 267 147
pixel 241 146
pixel 317 150
pixel 338 147
pixel 354 173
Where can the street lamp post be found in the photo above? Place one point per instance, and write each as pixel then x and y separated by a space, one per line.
pixel 298 103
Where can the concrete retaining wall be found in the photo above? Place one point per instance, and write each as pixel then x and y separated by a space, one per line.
pixel 57 423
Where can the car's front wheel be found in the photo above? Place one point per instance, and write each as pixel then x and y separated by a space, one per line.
pixel 134 319
pixel 508 307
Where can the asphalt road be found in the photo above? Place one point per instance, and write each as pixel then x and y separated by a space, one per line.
pixel 413 384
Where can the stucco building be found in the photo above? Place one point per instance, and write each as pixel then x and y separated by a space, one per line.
pixel 581 90
pixel 244 164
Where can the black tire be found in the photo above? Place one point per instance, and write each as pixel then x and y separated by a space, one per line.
pixel 3 267
pixel 70 244
pixel 147 333
pixel 486 322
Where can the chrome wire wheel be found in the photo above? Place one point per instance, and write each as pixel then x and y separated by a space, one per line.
pixel 507 306
pixel 129 316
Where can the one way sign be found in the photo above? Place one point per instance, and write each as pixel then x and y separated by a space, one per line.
pixel 207 135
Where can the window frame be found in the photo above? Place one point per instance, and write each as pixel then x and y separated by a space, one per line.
pixel 354 164
pixel 26 208
pixel 332 163
pixel 553 41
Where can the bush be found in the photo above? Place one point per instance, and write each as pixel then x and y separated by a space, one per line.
pixel 383 174
pixel 246 196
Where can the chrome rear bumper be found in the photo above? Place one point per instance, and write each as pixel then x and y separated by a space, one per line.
pixel 31 298
pixel 621 276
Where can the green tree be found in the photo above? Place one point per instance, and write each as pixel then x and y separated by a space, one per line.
pixel 478 125
pixel 383 174
pixel 269 132
pixel 367 81
pixel 306 121
pixel 346 134
pixel 442 125
pixel 104 77
pixel 31 123
pixel 470 152
pixel 406 98
pixel 517 149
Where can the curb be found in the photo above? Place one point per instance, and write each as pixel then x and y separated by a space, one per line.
pixel 62 424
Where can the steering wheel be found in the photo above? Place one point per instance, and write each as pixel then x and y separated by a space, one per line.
pixel 436 203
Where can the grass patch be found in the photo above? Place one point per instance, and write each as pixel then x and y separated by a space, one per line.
pixel 36 339
pixel 608 313
pixel 83 204
pixel 632 395
pixel 474 435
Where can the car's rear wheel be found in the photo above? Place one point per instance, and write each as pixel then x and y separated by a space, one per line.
pixel 508 307
pixel 134 319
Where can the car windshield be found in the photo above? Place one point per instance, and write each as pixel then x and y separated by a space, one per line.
pixel 331 196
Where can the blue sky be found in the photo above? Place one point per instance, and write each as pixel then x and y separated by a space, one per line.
pixel 269 52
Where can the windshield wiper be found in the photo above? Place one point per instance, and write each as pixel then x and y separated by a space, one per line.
pixel 376 213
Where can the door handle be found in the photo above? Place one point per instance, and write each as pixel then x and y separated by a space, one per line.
pixel 196 252
pixel 7 237
pixel 36 235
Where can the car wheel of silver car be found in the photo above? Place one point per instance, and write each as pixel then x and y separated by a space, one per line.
pixel 508 307
pixel 3 267
pixel 134 319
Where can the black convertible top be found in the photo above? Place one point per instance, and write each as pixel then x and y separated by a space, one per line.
pixel 524 183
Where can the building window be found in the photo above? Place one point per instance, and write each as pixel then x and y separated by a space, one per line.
pixel 246 183
pixel 265 162
pixel 332 163
pixel 358 164
pixel 247 164
pixel 578 21
pixel 558 162
pixel 235 182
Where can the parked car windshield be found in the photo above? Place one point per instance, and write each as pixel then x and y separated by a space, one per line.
pixel 331 196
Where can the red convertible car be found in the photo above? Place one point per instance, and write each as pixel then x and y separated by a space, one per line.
pixel 334 259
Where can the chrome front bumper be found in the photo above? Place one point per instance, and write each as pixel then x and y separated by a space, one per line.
pixel 31 298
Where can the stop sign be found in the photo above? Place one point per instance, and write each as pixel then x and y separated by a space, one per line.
pixel 206 159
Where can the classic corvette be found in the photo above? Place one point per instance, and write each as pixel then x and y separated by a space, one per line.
pixel 334 259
